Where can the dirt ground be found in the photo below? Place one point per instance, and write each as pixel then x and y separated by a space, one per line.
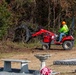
pixel 56 52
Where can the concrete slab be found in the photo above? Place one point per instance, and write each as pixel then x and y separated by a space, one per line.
pixel 17 72
pixel 65 62
pixel 9 73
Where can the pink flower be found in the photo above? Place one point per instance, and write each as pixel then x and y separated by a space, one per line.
pixel 45 71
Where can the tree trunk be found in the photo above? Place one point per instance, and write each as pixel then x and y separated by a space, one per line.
pixel 49 14
pixel 33 12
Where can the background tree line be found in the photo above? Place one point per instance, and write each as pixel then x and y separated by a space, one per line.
pixel 45 13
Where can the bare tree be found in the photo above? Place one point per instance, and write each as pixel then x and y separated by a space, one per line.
pixel 49 14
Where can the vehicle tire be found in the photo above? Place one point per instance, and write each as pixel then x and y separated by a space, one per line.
pixel 45 47
pixel 67 45
pixel 73 42
pixel 22 33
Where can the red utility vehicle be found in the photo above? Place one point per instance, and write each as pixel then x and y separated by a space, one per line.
pixel 49 38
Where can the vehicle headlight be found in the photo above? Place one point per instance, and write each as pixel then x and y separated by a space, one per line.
pixel 52 37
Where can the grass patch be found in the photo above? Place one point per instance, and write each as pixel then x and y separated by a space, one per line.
pixel 5 44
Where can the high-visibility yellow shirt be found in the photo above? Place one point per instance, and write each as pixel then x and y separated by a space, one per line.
pixel 64 29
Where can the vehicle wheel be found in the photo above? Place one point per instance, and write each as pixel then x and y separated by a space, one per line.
pixel 73 43
pixel 45 47
pixel 22 33
pixel 67 45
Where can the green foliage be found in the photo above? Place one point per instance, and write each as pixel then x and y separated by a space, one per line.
pixel 4 19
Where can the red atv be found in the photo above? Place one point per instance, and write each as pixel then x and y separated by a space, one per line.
pixel 48 38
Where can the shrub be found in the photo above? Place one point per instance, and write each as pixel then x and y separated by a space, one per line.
pixel 4 19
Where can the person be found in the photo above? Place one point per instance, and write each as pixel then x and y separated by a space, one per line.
pixel 63 31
